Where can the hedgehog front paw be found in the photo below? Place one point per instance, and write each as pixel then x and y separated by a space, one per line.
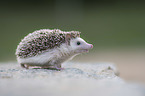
pixel 58 67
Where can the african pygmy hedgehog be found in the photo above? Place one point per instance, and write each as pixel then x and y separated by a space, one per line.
pixel 47 48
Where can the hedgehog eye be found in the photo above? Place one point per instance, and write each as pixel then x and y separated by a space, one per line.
pixel 78 43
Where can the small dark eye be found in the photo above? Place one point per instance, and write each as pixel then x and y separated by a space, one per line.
pixel 78 43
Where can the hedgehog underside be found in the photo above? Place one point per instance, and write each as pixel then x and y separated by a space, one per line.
pixel 44 61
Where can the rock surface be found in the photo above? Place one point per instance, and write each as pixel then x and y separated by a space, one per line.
pixel 77 79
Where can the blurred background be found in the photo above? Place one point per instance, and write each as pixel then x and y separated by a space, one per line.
pixel 116 28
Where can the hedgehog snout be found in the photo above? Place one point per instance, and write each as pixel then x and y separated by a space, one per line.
pixel 87 46
pixel 91 46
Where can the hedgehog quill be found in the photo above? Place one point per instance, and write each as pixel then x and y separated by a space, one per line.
pixel 47 48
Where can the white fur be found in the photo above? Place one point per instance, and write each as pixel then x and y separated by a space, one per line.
pixel 51 54
pixel 83 47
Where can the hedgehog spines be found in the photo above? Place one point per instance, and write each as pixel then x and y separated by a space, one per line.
pixel 37 42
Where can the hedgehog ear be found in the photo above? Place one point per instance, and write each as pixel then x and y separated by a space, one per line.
pixel 67 39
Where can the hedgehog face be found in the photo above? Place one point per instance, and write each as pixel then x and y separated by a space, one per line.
pixel 79 45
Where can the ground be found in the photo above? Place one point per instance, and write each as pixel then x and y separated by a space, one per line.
pixel 129 62
pixel 77 79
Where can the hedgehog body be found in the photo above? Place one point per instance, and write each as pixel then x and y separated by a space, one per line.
pixel 49 48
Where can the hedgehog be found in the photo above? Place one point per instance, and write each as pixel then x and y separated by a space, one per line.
pixel 46 48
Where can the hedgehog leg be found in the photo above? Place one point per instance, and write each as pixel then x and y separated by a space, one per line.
pixel 58 67
pixel 25 66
